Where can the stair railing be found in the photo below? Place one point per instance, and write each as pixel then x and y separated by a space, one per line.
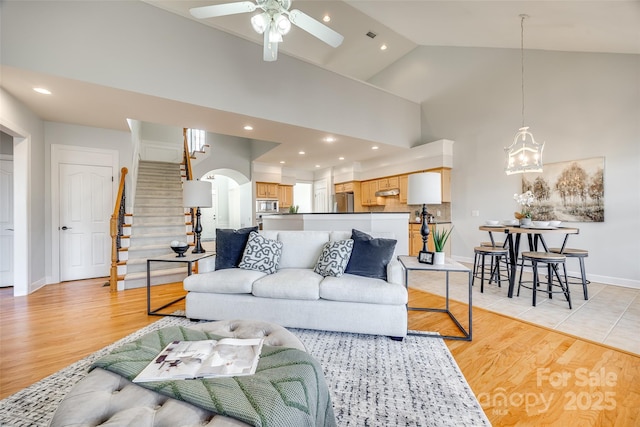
pixel 117 231
pixel 187 155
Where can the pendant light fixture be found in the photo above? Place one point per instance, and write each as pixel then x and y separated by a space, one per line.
pixel 524 154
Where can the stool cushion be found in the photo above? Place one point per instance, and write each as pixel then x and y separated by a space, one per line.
pixel 497 244
pixel 570 252
pixel 544 256
pixel 490 250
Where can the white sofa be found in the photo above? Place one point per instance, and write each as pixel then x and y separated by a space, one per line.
pixel 296 296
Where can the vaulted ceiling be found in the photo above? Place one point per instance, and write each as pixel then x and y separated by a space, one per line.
pixel 583 26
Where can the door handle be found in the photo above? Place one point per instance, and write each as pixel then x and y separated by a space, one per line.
pixel 8 229
pixel 65 228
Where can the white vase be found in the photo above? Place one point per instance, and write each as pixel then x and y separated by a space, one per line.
pixel 438 258
pixel 525 221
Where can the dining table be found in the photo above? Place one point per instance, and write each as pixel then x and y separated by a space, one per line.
pixel 535 237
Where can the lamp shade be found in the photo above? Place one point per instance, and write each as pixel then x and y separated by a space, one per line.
pixel 197 194
pixel 424 188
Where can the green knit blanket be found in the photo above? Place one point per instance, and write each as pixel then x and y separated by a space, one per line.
pixel 288 388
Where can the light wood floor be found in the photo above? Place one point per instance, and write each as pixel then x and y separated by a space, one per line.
pixel 523 375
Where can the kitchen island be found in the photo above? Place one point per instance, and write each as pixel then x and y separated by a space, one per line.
pixel 393 222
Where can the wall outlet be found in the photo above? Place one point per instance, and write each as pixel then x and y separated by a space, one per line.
pixel 438 214
pixel 475 213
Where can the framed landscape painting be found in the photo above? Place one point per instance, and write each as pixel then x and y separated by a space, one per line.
pixel 568 191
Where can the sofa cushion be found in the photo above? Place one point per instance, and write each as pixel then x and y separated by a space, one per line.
pixel 370 256
pixel 261 254
pixel 227 281
pixel 289 283
pixel 352 288
pixel 301 248
pixel 334 258
pixel 230 246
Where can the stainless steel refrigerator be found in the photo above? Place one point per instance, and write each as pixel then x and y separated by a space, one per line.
pixel 344 202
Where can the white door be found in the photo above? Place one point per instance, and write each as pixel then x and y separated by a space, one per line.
pixel 86 204
pixel 6 223
pixel 209 218
pixel 320 196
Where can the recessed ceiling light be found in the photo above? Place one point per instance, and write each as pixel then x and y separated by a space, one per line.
pixel 383 47
pixel 317 166
pixel 375 147
pixel 330 139
pixel 248 127
pixel 42 90
pixel 340 158
pixel 282 162
pixel 326 18
pixel 300 152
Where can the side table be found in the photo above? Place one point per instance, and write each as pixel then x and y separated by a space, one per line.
pixel 410 263
pixel 188 259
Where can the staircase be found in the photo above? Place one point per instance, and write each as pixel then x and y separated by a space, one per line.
pixel 158 219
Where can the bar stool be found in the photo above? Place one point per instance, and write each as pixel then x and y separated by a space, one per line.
pixel 496 254
pixel 580 254
pixel 552 261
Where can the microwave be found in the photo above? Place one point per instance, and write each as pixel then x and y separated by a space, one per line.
pixel 267 206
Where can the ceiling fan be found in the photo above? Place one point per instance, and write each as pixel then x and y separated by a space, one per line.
pixel 274 22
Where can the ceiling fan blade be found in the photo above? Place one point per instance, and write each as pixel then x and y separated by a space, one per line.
pixel 315 28
pixel 270 50
pixel 222 9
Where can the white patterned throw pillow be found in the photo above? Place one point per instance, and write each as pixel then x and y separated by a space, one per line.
pixel 334 258
pixel 261 254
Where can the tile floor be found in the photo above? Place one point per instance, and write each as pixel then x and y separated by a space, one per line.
pixel 610 316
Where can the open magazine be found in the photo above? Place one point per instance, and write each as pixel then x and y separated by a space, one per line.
pixel 226 357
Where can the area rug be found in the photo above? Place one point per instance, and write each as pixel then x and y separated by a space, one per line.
pixel 373 380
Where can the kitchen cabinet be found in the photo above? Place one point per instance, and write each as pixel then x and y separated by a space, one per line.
pixel 368 191
pixel 285 196
pixel 346 187
pixel 415 239
pixel 266 190
pixel 403 185
pixel 388 183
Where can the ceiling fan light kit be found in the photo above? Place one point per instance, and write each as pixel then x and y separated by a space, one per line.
pixel 274 22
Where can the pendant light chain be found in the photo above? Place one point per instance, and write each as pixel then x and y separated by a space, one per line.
pixel 522 60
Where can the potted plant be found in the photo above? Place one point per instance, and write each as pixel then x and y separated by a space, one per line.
pixel 440 238
pixel 525 199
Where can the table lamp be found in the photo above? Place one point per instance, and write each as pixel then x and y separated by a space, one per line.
pixel 424 188
pixel 197 194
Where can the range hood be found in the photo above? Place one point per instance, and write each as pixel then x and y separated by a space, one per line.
pixel 389 192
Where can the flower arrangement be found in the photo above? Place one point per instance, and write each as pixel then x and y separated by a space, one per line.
pixel 525 199
pixel 440 237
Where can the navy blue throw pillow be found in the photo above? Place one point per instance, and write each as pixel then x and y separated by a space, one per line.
pixel 230 246
pixel 369 257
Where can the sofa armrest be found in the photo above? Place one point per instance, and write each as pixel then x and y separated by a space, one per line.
pixel 206 265
pixel 395 272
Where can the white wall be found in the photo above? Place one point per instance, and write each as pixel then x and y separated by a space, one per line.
pixel 583 105
pixel 30 213
pixel 81 136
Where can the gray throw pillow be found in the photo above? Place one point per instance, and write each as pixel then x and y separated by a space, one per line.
pixel 230 246
pixel 261 254
pixel 370 256
pixel 334 258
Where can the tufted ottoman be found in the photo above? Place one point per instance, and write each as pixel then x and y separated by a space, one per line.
pixel 104 398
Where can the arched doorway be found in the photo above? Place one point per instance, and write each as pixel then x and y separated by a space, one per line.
pixel 231 202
